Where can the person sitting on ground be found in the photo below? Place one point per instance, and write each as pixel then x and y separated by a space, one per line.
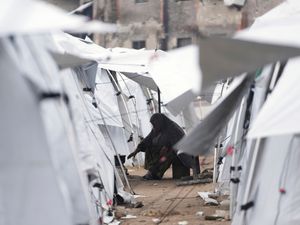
pixel 158 146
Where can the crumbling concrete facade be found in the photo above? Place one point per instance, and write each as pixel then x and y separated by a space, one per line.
pixel 67 5
pixel 168 24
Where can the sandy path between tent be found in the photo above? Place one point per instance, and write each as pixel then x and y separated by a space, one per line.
pixel 166 201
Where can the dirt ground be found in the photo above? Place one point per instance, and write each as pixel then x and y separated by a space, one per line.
pixel 166 202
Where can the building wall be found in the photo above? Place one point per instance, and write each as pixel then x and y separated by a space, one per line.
pixel 67 5
pixel 185 19
pixel 256 8
pixel 214 18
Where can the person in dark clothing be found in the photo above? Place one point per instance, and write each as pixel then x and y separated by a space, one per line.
pixel 158 146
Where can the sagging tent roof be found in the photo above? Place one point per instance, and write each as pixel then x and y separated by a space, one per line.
pixel 67 60
pixel 33 16
pixel 144 80
pixel 179 80
pixel 155 68
pixel 68 44
pixel 234 56
pixel 202 137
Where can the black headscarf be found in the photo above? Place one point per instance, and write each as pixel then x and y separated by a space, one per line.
pixel 170 131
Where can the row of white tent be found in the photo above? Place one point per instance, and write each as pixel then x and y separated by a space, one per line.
pixel 256 119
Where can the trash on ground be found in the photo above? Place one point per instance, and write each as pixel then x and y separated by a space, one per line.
pixel 129 217
pixel 207 200
pixel 156 220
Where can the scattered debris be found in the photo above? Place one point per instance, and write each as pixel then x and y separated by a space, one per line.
pixel 197 181
pixel 152 212
pixel 213 195
pixel 156 220
pixel 129 217
pixel 155 184
pixel 222 213
pixel 119 213
pixel 183 222
pixel 115 222
pixel 225 204
pixel 140 196
pixel 200 213
pixel 206 174
pixel 213 217
pixel 138 205
pixel 207 200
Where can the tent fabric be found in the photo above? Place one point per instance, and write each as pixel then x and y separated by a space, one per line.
pixel 202 138
pixel 129 60
pixel 106 98
pixel 142 79
pixel 68 60
pixel 117 135
pixel 101 151
pixel 181 102
pixel 58 127
pixel 175 76
pixel 265 190
pixel 229 55
pixel 26 165
pixel 68 44
pixel 277 116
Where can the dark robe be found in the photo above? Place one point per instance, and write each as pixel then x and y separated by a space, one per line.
pixel 158 145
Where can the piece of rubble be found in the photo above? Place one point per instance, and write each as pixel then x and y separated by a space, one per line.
pixel 156 220
pixel 183 222
pixel 200 213
pixel 207 200
pixel 128 216
pixel 213 217
pixel 152 212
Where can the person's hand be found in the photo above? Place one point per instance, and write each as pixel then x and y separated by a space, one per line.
pixel 131 155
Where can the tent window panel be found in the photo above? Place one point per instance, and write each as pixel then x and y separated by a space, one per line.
pixel 138 44
pixel 181 42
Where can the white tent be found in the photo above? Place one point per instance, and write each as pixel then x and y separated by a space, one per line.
pixel 27 169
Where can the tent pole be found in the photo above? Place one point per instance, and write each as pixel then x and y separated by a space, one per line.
pixel 159 101
pixel 216 156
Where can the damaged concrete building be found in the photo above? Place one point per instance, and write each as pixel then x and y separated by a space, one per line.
pixel 168 24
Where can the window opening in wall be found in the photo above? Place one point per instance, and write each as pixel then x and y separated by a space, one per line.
pixel 183 42
pixel 140 1
pixel 138 44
